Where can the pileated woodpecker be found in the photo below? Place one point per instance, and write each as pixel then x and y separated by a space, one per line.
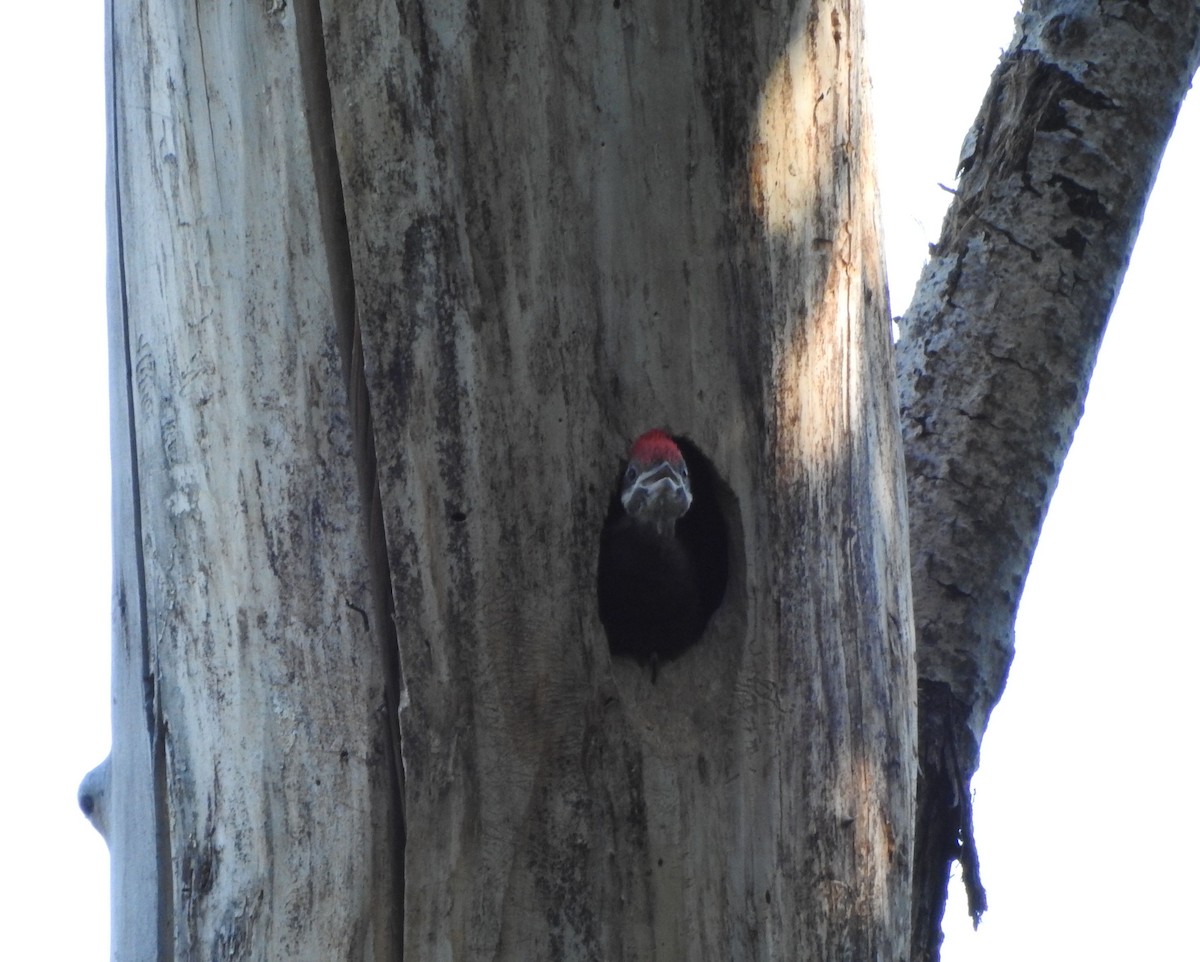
pixel 664 551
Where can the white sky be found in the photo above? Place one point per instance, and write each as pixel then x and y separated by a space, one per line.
pixel 1095 740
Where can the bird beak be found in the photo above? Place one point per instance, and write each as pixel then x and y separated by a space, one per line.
pixel 659 495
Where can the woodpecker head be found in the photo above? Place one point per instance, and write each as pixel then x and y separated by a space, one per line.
pixel 655 489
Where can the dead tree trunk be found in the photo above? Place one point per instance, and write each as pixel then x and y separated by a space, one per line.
pixel 393 286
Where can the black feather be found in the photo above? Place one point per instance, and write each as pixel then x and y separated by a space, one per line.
pixel 656 592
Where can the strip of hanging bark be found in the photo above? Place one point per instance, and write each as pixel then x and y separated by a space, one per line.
pixel 944 817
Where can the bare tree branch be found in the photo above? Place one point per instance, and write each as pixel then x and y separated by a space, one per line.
pixel 995 356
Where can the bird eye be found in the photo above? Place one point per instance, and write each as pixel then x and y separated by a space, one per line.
pixel 683 472
pixel 630 474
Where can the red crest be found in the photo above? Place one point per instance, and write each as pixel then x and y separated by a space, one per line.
pixel 655 445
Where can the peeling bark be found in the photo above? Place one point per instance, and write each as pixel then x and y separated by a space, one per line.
pixel 995 355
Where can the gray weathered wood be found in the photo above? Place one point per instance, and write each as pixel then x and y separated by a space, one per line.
pixel 140 908
pixel 569 223
pixel 396 284
pixel 255 811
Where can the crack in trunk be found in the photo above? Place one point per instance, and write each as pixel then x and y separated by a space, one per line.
pixel 327 177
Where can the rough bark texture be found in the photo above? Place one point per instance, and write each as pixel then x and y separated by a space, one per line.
pixel 252 730
pixel 996 352
pixel 527 231
pixel 569 223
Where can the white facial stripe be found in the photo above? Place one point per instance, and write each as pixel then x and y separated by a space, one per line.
pixel 657 493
